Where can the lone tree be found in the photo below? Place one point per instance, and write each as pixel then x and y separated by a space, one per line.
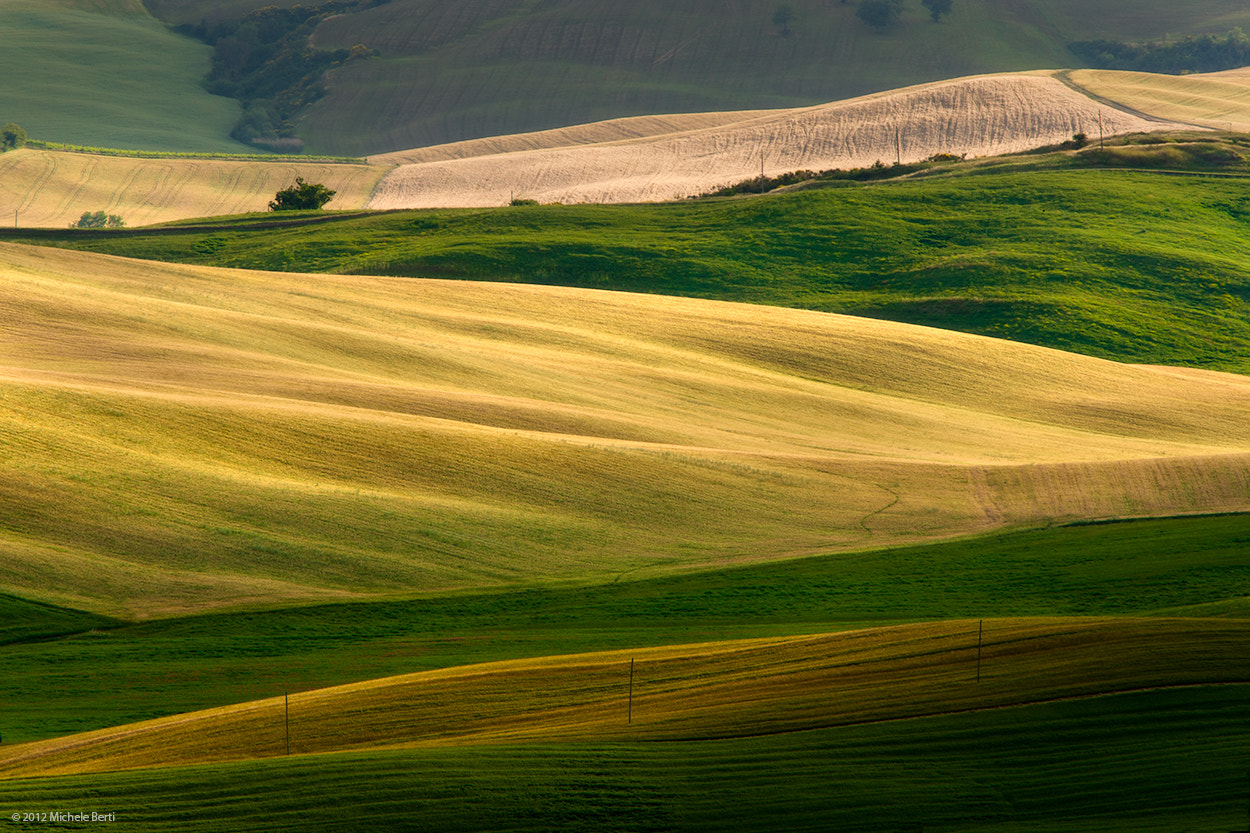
pixel 12 136
pixel 937 8
pixel 880 14
pixel 301 195
pixel 782 19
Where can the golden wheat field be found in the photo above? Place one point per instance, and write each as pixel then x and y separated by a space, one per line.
pixel 1219 100
pixel 42 188
pixel 684 692
pixel 179 438
pixel 984 115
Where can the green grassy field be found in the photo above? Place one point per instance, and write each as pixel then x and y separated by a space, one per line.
pixel 1183 566
pixel 107 74
pixel 1121 264
pixel 1153 761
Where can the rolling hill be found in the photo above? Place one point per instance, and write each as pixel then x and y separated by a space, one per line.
pixel 104 73
pixel 986 116
pixel 454 71
pixel 629 160
pixel 54 188
pixel 1220 100
pixel 184 438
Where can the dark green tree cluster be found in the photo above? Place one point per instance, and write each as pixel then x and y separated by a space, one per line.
pixel 12 136
pixel 1205 53
pixel 880 14
pixel 264 60
pixel 99 219
pixel 301 196
pixel 937 8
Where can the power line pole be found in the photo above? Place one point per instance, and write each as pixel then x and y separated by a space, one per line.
pixel 980 626
pixel 631 691
pixel 286 698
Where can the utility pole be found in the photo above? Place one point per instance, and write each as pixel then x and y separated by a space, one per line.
pixel 980 626
pixel 631 691
pixel 286 699
pixel 898 147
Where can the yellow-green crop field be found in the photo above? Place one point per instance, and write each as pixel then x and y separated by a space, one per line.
pixel 1219 100
pixel 230 446
pixel 687 692
pixel 41 188
pixel 182 438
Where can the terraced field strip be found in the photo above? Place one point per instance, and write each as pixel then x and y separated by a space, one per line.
pixel 41 188
pixel 1220 100
pixel 985 115
pixel 715 690
pixel 182 437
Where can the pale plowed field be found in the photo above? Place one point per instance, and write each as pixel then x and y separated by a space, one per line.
pixel 178 438
pixel 978 116
pixel 40 188
pixel 1219 100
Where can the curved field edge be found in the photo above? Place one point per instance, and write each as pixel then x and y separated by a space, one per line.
pixel 1006 247
pixel 1178 566
pixel 980 116
pixel 1219 100
pixel 744 688
pixel 183 438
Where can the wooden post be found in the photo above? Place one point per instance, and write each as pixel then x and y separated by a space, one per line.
pixel 980 627
pixel 898 147
pixel 631 691
pixel 286 699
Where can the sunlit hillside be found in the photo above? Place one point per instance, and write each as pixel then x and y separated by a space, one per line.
pixel 681 157
pixel 54 188
pixel 181 438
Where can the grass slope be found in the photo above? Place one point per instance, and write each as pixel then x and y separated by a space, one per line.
pixel 1152 761
pixel 1179 566
pixel 107 74
pixel 54 188
pixel 181 438
pixel 1131 266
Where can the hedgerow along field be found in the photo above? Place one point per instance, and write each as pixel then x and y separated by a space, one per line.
pixel 1087 252
pixel 106 74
